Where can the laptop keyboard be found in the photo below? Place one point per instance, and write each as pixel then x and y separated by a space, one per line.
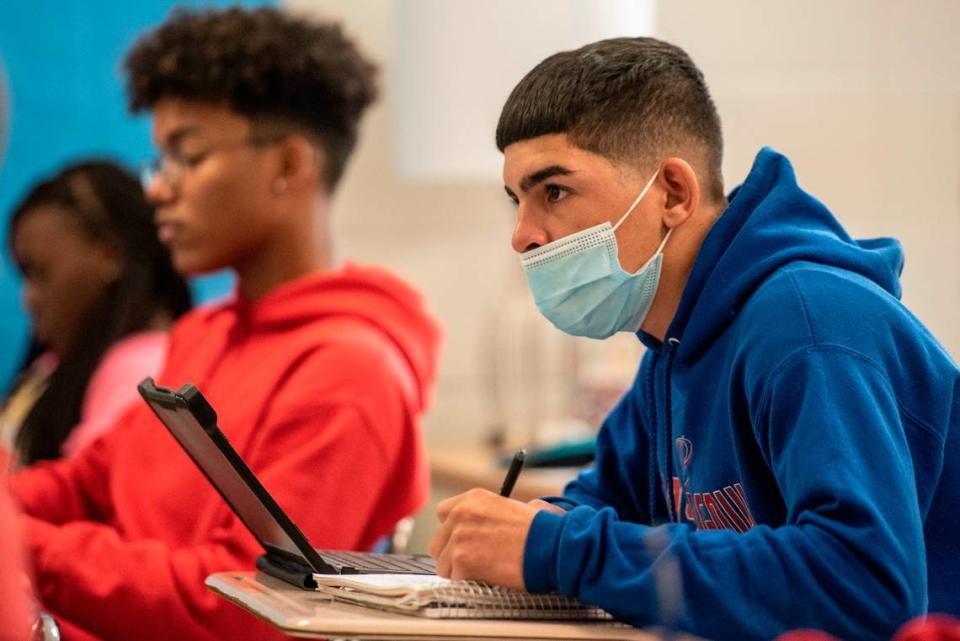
pixel 380 563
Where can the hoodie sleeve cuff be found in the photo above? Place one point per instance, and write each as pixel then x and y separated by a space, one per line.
pixel 540 552
pixel 563 502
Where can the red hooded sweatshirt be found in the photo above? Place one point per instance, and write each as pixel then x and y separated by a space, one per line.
pixel 14 610
pixel 318 385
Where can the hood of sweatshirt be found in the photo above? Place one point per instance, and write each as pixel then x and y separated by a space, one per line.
pixel 769 223
pixel 371 294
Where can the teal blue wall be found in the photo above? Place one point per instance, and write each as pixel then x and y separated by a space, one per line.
pixel 61 59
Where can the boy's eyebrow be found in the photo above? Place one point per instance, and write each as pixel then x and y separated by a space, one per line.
pixel 531 180
pixel 178 134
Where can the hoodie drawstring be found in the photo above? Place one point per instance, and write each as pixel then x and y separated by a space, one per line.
pixel 672 345
pixel 650 391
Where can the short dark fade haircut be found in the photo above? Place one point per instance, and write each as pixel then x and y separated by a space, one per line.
pixel 261 63
pixel 633 100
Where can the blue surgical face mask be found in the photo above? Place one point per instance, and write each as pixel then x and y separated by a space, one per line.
pixel 579 285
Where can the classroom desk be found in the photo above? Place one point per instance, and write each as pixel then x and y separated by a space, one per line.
pixel 308 614
pixel 456 470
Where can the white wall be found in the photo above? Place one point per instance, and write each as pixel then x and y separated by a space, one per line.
pixel 864 96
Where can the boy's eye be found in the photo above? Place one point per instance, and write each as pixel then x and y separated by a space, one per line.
pixel 555 193
pixel 188 159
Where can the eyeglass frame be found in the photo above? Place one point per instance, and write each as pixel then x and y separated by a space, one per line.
pixel 160 166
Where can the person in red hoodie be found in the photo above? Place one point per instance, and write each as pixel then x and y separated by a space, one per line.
pixel 14 608
pixel 318 369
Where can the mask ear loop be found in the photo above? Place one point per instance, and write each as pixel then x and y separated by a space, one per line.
pixel 662 244
pixel 659 251
pixel 639 198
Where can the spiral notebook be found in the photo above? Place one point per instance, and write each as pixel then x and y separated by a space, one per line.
pixel 439 598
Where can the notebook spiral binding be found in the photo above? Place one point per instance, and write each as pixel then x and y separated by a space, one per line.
pixel 471 599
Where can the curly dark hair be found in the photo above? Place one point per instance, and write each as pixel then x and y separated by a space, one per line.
pixel 263 64
pixel 629 99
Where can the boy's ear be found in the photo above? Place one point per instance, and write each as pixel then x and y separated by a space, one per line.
pixel 682 188
pixel 302 164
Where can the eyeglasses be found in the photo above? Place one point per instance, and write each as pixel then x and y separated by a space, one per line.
pixel 172 165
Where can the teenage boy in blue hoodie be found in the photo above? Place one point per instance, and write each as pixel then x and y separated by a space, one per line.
pixel 789 454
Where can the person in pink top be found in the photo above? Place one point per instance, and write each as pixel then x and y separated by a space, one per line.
pixel 101 292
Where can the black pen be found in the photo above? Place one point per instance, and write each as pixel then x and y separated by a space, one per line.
pixel 511 478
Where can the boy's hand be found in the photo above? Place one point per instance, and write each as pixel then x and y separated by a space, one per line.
pixel 482 537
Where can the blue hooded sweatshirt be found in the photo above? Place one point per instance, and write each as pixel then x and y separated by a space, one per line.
pixel 788 457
